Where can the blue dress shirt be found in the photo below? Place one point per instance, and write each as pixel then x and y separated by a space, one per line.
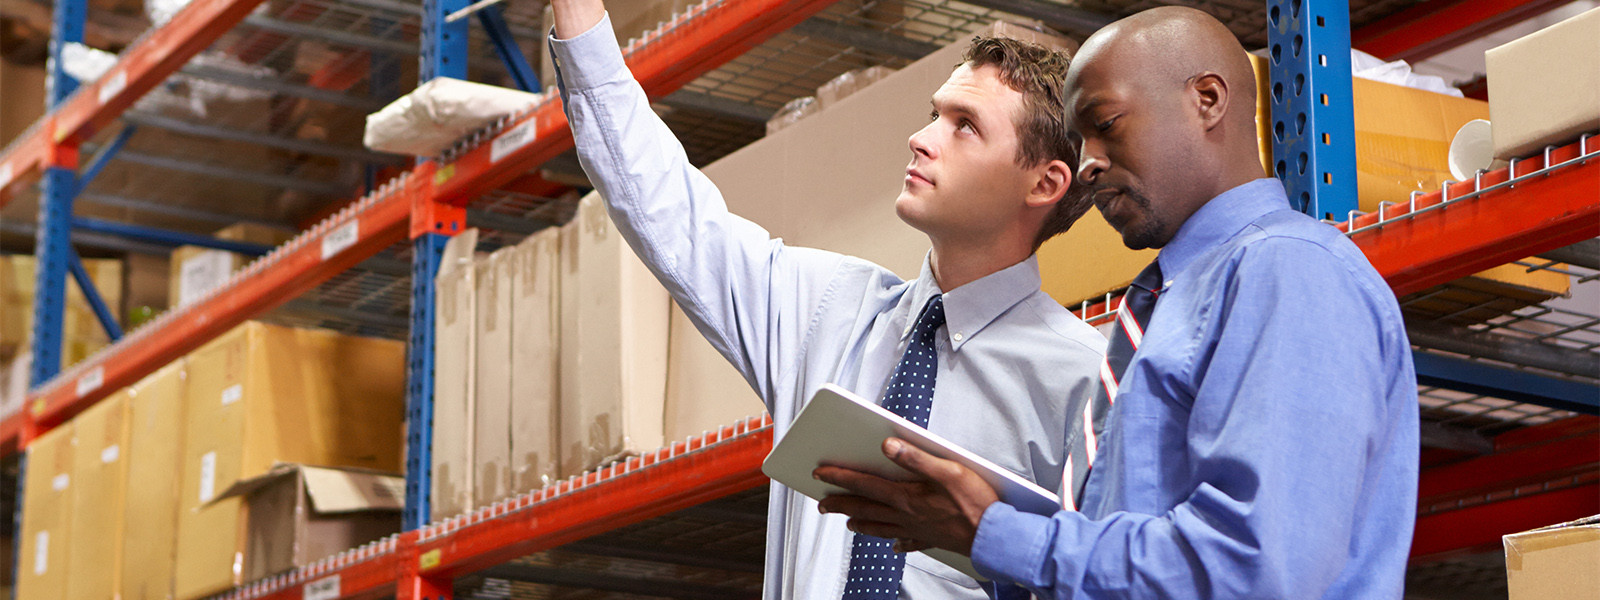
pixel 1263 442
pixel 1015 367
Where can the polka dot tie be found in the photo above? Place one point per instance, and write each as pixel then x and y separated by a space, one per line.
pixel 875 568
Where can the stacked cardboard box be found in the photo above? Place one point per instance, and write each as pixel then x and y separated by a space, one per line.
pixel 454 377
pixel 81 331
pixel 100 473
pixel 297 514
pixel 196 270
pixel 535 364
pixel 46 517
pixel 263 394
pixel 155 460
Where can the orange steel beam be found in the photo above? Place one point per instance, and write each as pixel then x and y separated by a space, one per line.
pixel 370 578
pixel 1478 528
pixel 316 256
pixel 664 61
pixel 699 470
pixel 1538 214
pixel 140 69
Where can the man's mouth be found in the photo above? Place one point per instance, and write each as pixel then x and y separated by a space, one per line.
pixel 912 174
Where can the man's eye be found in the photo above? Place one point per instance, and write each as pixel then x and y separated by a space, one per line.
pixel 967 126
pixel 1106 124
pixel 933 116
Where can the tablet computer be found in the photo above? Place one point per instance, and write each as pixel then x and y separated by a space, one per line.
pixel 842 429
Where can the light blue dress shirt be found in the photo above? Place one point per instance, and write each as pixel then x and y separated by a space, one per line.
pixel 1263 442
pixel 1015 367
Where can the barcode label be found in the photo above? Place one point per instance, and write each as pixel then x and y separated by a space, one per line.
pixel 110 454
pixel 511 140
pixel 326 588
pixel 113 86
pixel 41 553
pixel 339 239
pixel 208 477
pixel 60 482
pixel 91 381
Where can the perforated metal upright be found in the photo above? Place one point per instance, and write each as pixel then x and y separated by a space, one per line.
pixel 1313 119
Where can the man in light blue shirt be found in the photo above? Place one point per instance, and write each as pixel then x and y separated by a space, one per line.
pixel 1263 441
pixel 988 182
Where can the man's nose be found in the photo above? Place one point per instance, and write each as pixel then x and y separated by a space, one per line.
pixel 920 144
pixel 1093 163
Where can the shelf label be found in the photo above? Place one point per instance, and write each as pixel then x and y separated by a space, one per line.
pixel 429 559
pixel 339 239
pixel 5 175
pixel 91 381
pixel 113 86
pixel 326 588
pixel 41 553
pixel 60 482
pixel 109 454
pixel 232 394
pixel 511 140
pixel 208 477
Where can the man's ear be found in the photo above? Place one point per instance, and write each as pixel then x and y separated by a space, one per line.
pixel 1211 96
pixel 1054 179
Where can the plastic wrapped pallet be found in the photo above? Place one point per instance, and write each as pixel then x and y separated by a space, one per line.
pixel 614 323
pixel 100 468
pixel 427 121
pixel 46 517
pixel 1544 89
pixel 263 394
pixel 792 112
pixel 535 367
pixel 491 436
pixel 453 377
pixel 155 461
pixel 849 83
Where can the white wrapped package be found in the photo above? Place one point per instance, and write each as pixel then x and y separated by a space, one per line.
pixel 427 121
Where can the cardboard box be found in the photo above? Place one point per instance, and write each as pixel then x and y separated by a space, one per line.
pixel 255 234
pixel 197 270
pixel 148 283
pixel 81 331
pixel 704 391
pixel 300 514
pixel 454 378
pixel 263 394
pixel 23 88
pixel 47 517
pixel 1544 89
pixel 100 471
pixel 1559 562
pixel 535 366
pixel 491 438
pixel 155 462
pixel 613 345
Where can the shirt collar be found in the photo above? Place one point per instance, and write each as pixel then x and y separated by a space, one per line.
pixel 1220 219
pixel 972 307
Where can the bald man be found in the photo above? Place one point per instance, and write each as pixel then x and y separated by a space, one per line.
pixel 1262 442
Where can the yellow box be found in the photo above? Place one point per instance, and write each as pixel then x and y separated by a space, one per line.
pixel 81 331
pixel 100 471
pixel 263 394
pixel 46 517
pixel 155 461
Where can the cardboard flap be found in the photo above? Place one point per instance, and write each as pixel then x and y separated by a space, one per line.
pixel 352 490
pixel 245 487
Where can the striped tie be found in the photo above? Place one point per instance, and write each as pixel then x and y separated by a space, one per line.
pixel 875 568
pixel 1137 305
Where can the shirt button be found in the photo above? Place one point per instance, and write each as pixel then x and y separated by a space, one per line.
pixel 956 337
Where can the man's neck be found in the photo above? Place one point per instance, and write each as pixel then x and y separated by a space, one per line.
pixel 955 265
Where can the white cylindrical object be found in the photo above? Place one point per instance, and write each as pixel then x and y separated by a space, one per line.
pixel 1472 150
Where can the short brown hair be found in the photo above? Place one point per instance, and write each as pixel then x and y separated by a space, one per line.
pixel 1039 74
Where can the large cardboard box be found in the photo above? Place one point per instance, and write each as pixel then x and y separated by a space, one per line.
pixel 1559 562
pixel 535 366
pixel 704 391
pixel 46 517
pixel 263 394
pixel 195 270
pixel 1545 88
pixel 100 471
pixel 155 462
pixel 614 317
pixel 300 514
pixel 491 439
pixel 454 370
pixel 22 86
pixel 81 331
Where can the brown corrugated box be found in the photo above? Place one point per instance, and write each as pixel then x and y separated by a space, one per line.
pixel 704 391
pixel 613 345
pixel 155 463
pixel 81 331
pixel 263 394
pixel 300 514
pixel 46 517
pixel 491 437
pixel 1559 562
pixel 453 377
pixel 23 89
pixel 535 367
pixel 195 270
pixel 100 473
pixel 1544 89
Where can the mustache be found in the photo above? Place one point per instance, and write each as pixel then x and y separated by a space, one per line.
pixel 1098 193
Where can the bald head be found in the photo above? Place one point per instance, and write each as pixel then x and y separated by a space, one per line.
pixel 1162 107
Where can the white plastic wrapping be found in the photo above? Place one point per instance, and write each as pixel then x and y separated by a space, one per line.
pixel 84 63
pixel 791 113
pixel 161 11
pixel 440 112
pixel 1367 66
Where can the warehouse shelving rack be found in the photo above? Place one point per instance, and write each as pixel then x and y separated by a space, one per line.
pixel 1538 205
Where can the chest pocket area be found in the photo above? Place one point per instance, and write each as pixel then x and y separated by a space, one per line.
pixel 1151 437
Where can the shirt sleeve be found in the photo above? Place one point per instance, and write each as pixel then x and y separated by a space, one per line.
pixel 1294 386
pixel 749 294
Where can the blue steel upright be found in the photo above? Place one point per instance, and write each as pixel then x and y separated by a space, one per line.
pixel 1313 118
pixel 426 252
pixel 444 45
pixel 66 27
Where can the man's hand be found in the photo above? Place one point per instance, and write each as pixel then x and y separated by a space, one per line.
pixel 941 508
pixel 573 17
